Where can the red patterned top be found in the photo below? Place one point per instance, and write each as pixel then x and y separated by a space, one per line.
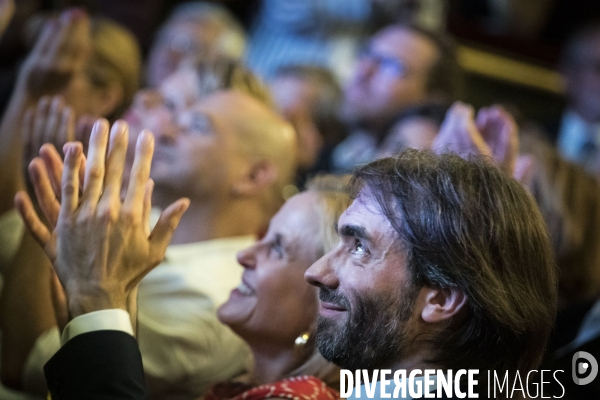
pixel 295 388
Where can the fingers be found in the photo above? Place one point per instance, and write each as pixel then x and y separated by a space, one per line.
pixel 47 37
pixel 501 133
pixel 94 173
pixel 51 124
pixel 43 190
pixel 66 128
pixel 39 122
pixel 147 205
pixel 70 179
pixel 77 49
pixel 140 173
pixel 462 132
pixel 67 45
pixel 166 225
pixel 37 228
pixel 110 200
pixel 454 132
pixel 524 169
pixel 54 166
pixel 27 134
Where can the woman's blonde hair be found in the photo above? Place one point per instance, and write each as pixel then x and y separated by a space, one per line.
pixel 116 58
pixel 333 199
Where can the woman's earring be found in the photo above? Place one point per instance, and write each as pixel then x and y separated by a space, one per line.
pixel 301 340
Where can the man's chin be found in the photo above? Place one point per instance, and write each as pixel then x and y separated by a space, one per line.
pixel 329 337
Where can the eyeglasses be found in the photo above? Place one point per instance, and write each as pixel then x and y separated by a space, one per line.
pixel 387 65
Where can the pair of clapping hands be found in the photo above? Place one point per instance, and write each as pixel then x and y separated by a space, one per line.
pixel 493 133
pixel 100 245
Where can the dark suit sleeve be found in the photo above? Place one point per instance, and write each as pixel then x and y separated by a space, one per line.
pixel 98 365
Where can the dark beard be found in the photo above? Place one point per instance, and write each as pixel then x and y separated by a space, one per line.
pixel 374 335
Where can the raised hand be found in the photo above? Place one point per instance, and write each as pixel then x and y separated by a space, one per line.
pixel 494 134
pixel 459 133
pixel 499 130
pixel 50 122
pixel 100 246
pixel 61 51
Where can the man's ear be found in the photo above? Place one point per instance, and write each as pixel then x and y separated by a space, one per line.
pixel 261 175
pixel 440 305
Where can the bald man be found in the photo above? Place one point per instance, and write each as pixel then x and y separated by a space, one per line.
pixel 231 155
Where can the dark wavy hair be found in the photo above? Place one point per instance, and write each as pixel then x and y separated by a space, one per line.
pixel 468 226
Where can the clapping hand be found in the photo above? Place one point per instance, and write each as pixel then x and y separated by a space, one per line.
pixel 51 121
pixel 62 50
pixel 493 133
pixel 100 246
pixel 501 133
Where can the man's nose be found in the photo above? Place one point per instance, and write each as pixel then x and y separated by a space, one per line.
pixel 365 68
pixel 321 273
pixel 167 134
pixel 246 258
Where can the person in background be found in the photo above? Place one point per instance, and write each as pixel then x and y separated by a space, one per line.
pixel 569 200
pixel 578 134
pixel 327 33
pixel 402 66
pixel 309 97
pixel 197 31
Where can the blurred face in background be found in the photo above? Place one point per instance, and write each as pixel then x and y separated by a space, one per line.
pixel 180 40
pixel 201 153
pixel 295 98
pixel 582 78
pixel 390 75
pixel 196 146
pixel 157 109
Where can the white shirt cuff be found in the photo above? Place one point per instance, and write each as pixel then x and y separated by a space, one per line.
pixel 114 320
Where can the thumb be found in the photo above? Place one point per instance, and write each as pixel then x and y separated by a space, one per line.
pixel 166 225
pixel 59 301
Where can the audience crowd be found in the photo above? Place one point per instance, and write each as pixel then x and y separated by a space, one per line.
pixel 244 209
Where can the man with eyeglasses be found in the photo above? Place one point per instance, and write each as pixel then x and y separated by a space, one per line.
pixel 578 134
pixel 402 66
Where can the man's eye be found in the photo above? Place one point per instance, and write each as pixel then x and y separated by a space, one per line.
pixel 200 124
pixel 277 248
pixel 170 104
pixel 393 67
pixel 359 248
